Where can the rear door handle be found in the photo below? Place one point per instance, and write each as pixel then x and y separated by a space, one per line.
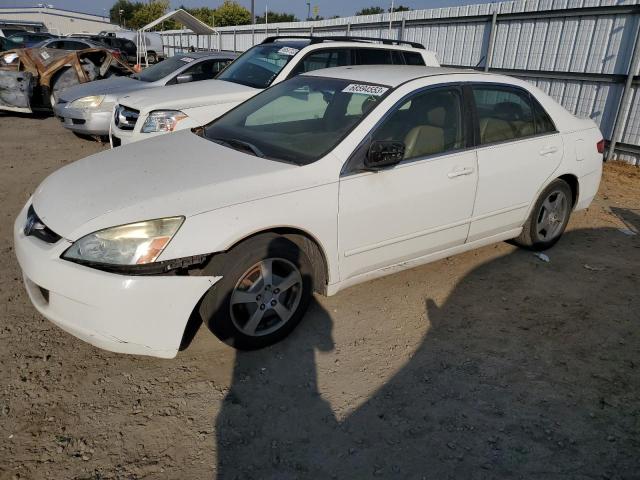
pixel 548 150
pixel 460 172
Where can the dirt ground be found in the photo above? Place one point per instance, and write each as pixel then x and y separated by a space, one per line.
pixel 490 364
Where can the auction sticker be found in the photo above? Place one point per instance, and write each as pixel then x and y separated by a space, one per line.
pixel 288 51
pixel 44 55
pixel 374 90
pixel 186 59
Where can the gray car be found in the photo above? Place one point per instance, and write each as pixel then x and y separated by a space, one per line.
pixel 86 108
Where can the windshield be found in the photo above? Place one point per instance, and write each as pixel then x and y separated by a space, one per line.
pixel 297 121
pixel 162 69
pixel 258 66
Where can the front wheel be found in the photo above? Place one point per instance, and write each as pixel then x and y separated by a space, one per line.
pixel 549 217
pixel 263 295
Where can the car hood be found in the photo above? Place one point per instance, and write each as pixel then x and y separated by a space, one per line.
pixel 189 95
pixel 114 86
pixel 175 174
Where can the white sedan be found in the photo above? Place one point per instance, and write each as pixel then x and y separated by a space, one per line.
pixel 318 183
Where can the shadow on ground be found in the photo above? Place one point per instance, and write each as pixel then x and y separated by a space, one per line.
pixel 539 385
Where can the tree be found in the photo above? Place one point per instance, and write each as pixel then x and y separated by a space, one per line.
pixel 128 9
pixel 275 17
pixel 370 11
pixel 149 12
pixel 232 13
pixel 400 8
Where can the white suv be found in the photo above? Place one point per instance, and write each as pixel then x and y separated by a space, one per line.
pixel 238 222
pixel 142 115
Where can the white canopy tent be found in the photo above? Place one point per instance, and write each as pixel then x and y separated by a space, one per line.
pixel 182 17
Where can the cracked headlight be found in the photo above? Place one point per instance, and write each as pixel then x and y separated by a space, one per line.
pixel 132 244
pixel 163 121
pixel 87 102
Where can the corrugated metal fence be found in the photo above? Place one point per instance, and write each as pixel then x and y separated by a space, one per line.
pixel 584 53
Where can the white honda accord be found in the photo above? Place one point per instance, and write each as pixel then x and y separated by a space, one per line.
pixel 318 183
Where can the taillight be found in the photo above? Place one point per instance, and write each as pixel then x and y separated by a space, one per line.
pixel 600 146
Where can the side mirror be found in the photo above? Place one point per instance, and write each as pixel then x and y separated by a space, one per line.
pixel 383 154
pixel 184 78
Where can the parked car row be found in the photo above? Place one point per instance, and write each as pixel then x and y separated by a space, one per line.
pixel 307 165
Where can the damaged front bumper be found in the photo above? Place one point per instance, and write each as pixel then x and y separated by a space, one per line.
pixel 16 90
pixel 137 314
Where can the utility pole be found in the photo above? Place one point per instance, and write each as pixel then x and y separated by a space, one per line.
pixel 253 12
pixel 308 10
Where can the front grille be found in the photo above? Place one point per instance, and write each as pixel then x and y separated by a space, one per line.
pixel 78 121
pixel 36 228
pixel 125 118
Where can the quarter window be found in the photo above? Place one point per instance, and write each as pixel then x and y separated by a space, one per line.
pixel 543 121
pixel 503 114
pixel 428 123
pixel 413 58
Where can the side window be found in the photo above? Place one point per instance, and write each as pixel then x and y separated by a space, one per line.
pixel 205 70
pixel 544 124
pixel 373 56
pixel 58 44
pixel 503 114
pixel 428 123
pixel 334 57
pixel 396 57
pixel 413 58
pixel 71 45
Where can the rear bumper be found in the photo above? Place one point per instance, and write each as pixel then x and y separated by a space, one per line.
pixel 88 122
pixel 143 315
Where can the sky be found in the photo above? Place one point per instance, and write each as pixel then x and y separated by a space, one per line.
pixel 327 8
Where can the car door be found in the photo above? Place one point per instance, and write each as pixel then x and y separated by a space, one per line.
pixel 423 204
pixel 515 156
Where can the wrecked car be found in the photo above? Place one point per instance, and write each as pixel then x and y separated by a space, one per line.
pixel 32 78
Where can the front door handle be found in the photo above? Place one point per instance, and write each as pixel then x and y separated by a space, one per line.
pixel 460 172
pixel 548 150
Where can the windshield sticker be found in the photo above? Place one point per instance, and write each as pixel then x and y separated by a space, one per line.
pixel 44 55
pixel 374 90
pixel 288 51
pixel 186 59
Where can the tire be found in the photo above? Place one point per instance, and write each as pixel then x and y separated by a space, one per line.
pixel 242 309
pixel 152 58
pixel 548 218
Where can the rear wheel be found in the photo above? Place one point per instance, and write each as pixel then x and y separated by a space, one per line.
pixel 263 295
pixel 549 217
pixel 152 58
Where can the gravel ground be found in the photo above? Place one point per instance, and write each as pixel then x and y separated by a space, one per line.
pixel 490 364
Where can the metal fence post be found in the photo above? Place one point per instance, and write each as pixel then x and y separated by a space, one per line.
pixel 401 31
pixel 348 29
pixel 492 40
pixel 622 113
pixel 311 31
pixel 234 40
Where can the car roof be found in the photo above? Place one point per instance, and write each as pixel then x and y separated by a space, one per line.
pixel 198 55
pixel 389 75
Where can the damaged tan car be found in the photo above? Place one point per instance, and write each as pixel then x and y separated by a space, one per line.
pixel 31 79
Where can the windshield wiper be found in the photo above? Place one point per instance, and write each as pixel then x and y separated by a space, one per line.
pixel 234 143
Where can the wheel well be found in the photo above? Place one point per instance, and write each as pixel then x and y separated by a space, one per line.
pixel 572 181
pixel 310 246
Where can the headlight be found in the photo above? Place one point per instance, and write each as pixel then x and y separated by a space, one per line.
pixel 163 121
pixel 132 244
pixel 87 102
pixel 9 58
